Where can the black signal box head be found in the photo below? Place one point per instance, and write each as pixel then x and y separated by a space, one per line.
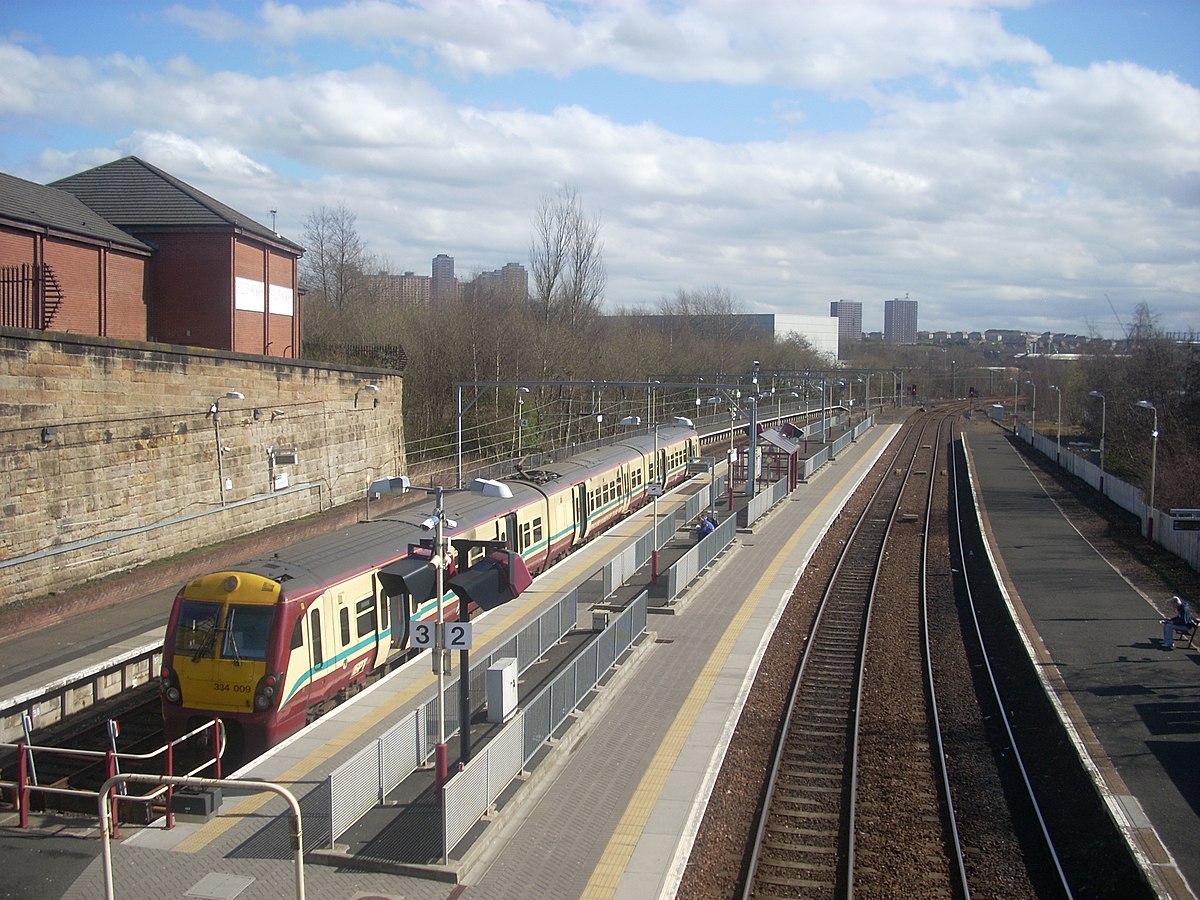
pixel 413 575
pixel 497 578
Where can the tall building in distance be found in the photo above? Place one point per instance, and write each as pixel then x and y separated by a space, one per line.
pixel 849 316
pixel 900 321
pixel 443 286
pixel 512 282
pixel 409 289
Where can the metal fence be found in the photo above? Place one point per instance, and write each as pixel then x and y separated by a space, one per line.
pixel 364 780
pixel 470 794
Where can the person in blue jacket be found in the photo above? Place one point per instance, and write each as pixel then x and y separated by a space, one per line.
pixel 1183 618
pixel 705 526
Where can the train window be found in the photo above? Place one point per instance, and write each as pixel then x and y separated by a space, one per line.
pixel 314 628
pixel 297 634
pixel 537 530
pixel 344 623
pixel 384 603
pixel 364 613
pixel 246 631
pixel 196 627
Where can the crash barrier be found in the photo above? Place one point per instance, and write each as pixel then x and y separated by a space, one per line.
pixel 1183 543
pixel 26 785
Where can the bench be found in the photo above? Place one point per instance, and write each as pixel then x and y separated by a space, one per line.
pixel 1185 633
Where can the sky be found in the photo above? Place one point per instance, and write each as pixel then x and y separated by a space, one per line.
pixel 1011 164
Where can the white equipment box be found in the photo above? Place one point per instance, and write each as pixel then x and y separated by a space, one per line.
pixel 501 690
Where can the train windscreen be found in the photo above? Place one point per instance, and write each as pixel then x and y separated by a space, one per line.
pixel 196 628
pixel 246 631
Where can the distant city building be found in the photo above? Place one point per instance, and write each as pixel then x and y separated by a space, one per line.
pixel 444 286
pixel 849 316
pixel 511 281
pixel 821 332
pixel 408 289
pixel 900 321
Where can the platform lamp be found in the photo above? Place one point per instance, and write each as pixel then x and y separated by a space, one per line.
pixel 521 420
pixel 1058 430
pixel 655 487
pixel 438 522
pixel 1033 418
pixel 1103 414
pixel 1146 404
pixel 215 411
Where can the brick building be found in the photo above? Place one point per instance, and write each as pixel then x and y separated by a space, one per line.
pixel 84 253
pixel 64 267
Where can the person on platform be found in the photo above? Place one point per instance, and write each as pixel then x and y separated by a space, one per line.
pixel 1183 618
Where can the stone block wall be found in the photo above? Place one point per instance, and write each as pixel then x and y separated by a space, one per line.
pixel 108 451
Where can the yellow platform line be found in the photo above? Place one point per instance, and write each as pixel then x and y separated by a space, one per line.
pixel 606 876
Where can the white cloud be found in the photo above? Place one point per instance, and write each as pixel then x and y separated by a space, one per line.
pixel 980 195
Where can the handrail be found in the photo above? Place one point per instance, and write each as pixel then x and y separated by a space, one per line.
pixel 24 788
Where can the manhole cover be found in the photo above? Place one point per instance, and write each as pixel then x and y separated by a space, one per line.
pixel 219 886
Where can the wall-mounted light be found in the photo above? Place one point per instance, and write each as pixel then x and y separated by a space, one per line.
pixel 214 410
pixel 47 435
pixel 370 389
pixel 277 414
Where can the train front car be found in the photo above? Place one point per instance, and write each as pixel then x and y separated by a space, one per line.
pixel 226 656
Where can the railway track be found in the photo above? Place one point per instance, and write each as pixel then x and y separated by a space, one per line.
pixel 806 839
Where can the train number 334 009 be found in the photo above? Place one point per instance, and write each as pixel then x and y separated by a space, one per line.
pixel 235 688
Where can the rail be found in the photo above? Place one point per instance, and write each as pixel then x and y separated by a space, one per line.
pixel 814 763
pixel 1000 707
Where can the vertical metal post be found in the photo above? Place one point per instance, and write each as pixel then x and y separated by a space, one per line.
pixel 458 417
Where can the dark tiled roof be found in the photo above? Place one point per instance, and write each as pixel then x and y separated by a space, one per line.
pixel 143 198
pixel 41 206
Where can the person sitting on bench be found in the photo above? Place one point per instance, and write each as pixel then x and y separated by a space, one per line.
pixel 1182 620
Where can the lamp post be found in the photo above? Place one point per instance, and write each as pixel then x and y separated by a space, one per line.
pixel 520 417
pixel 440 560
pixel 1058 430
pixel 1146 404
pixel 215 411
pixel 1103 414
pixel 656 486
pixel 1016 390
pixel 1033 420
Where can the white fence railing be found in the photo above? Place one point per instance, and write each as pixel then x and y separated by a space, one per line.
pixel 1184 544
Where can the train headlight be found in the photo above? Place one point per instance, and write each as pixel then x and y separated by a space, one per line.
pixel 264 693
pixel 168 685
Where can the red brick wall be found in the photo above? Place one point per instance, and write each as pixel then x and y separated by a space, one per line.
pixel 16 247
pixel 191 290
pixel 126 297
pixel 77 267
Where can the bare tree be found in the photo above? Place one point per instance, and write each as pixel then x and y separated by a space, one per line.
pixel 566 257
pixel 336 256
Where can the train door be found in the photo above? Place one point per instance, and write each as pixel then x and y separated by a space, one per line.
pixel 660 468
pixel 508 532
pixel 581 513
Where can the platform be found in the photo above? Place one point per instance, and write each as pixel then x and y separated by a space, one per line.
pixel 641 771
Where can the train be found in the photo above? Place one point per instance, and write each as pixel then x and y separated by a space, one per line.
pixel 272 644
